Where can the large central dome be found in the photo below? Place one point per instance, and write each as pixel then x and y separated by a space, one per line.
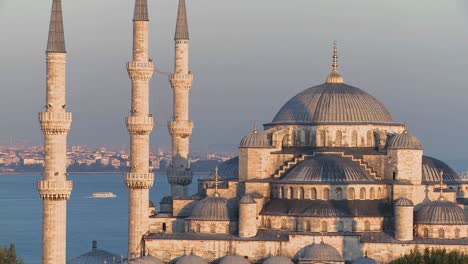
pixel 333 103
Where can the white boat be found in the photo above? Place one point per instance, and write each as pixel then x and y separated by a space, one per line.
pixel 103 195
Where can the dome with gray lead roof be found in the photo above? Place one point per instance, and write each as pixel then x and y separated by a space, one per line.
pixel 440 213
pixel 431 168
pixel 228 169
pixel 147 260
pixel 255 139
pixel 405 141
pixel 365 260
pixel 191 259
pixel 403 202
pixel 247 199
pixel 211 208
pixel 321 252
pixel 277 260
pixel 234 260
pixel 95 256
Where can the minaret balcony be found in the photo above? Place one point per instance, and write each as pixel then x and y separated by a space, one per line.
pixel 140 70
pixel 139 180
pixel 180 128
pixel 54 190
pixel 179 175
pixel 181 81
pixel 55 122
pixel 140 125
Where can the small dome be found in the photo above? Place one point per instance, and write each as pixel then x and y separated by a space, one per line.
pixel 166 200
pixel 365 260
pixel 255 140
pixel 191 259
pixel 95 256
pixel 440 213
pixel 278 260
pixel 321 252
pixel 431 168
pixel 227 170
pixel 328 168
pixel 234 260
pixel 403 202
pixel 405 141
pixel 147 260
pixel 247 199
pixel 211 208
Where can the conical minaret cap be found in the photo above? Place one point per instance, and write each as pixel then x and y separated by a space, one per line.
pixel 182 32
pixel 335 77
pixel 141 10
pixel 56 41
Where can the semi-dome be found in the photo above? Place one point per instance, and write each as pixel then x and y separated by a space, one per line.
pixel 211 208
pixel 321 252
pixel 405 141
pixel 431 168
pixel 234 260
pixel 328 168
pixel 403 202
pixel 255 139
pixel 333 103
pixel 277 260
pixel 365 260
pixel 228 169
pixel 147 260
pixel 440 213
pixel 191 259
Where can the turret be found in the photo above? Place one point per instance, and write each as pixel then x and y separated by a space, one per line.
pixel 404 210
pixel 247 217
pixel 179 173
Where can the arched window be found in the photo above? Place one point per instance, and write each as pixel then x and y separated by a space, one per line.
pixel 307 137
pixel 322 142
pixel 340 226
pixel 351 193
pixel 354 226
pixel 339 138
pixel 362 193
pixel 441 233
pixel 313 194
pixel 326 194
pixel 291 193
pixel 301 193
pixel 457 233
pixel 279 192
pixel 307 226
pixel 212 228
pixel 426 232
pixel 367 226
pixel 284 224
pixel 370 138
pixel 285 141
pixel 372 193
pixel 197 228
pixel 339 193
pixel 164 227
pixel 379 193
pixel 354 139
pixel 284 192
pixel 324 227
pixel 268 224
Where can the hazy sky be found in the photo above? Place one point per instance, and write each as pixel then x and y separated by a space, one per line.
pixel 249 57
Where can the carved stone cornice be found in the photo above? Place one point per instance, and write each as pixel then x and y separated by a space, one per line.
pixel 136 180
pixel 180 128
pixel 181 81
pixel 55 123
pixel 140 125
pixel 140 71
pixel 54 190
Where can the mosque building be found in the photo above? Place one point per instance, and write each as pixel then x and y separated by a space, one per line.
pixel 333 178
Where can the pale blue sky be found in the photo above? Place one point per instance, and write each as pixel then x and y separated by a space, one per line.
pixel 248 57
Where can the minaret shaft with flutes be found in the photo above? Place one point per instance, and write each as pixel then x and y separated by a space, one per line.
pixel 180 128
pixel 140 124
pixel 54 188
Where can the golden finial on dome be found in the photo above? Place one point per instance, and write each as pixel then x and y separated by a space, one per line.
pixel 255 127
pixel 335 77
pixel 405 128
pixel 441 185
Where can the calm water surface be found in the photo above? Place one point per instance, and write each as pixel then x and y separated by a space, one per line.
pixel 104 220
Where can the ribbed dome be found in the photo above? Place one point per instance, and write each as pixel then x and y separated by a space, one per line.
pixel 403 202
pixel 321 252
pixel 247 199
pixel 431 168
pixel 365 260
pixel 166 200
pixel 278 260
pixel 440 213
pixel 228 170
pixel 234 260
pixel 95 256
pixel 255 140
pixel 333 104
pixel 191 259
pixel 147 260
pixel 211 208
pixel 328 168
pixel 405 141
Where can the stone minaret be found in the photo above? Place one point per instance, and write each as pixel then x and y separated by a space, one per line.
pixel 139 124
pixel 179 174
pixel 54 188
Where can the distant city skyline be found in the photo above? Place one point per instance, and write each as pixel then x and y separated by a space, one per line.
pixel 249 58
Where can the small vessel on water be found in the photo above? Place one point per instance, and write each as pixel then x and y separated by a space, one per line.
pixel 103 195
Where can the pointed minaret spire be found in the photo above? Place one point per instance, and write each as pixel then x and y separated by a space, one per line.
pixel 182 24
pixel 141 11
pixel 56 41
pixel 335 77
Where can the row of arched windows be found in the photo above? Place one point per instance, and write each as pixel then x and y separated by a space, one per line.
pixel 285 192
pixel 324 226
pixel 324 139
pixel 441 233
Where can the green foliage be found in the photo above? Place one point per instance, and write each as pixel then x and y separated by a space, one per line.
pixel 8 255
pixel 433 256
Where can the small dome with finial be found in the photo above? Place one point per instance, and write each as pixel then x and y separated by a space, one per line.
pixel 335 77
pixel 255 139
pixel 277 260
pixel 405 140
pixel 234 259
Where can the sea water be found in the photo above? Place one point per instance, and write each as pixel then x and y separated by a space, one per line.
pixel 104 220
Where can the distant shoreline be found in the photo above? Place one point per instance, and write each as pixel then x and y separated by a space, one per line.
pixel 85 172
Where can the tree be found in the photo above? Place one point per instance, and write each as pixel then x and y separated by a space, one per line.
pixel 433 256
pixel 8 255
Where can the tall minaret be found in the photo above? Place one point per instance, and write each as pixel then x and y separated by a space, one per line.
pixel 54 189
pixel 179 174
pixel 139 124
